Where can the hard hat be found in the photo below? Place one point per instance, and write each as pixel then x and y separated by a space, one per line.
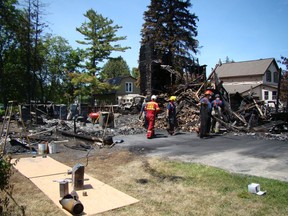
pixel 208 92
pixel 217 95
pixel 153 97
pixel 172 98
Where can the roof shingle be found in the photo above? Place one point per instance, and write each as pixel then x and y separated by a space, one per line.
pixel 244 68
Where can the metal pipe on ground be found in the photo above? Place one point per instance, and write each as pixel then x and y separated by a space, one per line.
pixel 71 204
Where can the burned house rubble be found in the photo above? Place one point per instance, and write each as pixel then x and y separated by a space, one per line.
pixel 240 113
pixel 29 124
pixel 23 132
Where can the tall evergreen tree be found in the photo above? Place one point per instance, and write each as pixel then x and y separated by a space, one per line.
pixel 30 39
pixel 100 39
pixel 172 29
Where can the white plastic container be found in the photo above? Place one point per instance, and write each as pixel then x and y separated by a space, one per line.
pixel 255 189
pixel 52 148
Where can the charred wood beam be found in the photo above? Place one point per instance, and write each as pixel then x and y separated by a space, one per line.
pixel 247 108
pixel 230 126
pixel 199 79
pixel 183 88
pixel 239 117
pixel 170 70
pixel 80 136
pixel 198 91
pixel 49 131
pixel 258 108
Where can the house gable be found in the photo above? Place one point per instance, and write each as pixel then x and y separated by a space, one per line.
pixel 255 76
pixel 245 68
pixel 126 85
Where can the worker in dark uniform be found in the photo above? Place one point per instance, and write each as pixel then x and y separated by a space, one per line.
pixel 217 105
pixel 171 115
pixel 205 114
pixel 151 108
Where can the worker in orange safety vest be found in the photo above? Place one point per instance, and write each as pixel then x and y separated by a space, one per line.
pixel 151 108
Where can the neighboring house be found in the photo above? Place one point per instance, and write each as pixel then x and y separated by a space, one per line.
pixel 126 85
pixel 259 77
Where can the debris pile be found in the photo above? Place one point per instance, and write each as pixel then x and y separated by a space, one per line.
pixel 187 109
pixel 25 139
pixel 246 115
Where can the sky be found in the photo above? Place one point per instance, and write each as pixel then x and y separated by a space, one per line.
pixel 241 30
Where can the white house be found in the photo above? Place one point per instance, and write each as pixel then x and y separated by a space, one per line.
pixel 259 77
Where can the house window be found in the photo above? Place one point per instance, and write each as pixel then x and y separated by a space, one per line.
pixel 274 95
pixel 275 77
pixel 268 76
pixel 128 87
pixel 266 95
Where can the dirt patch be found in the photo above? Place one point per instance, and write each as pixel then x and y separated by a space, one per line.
pixel 102 164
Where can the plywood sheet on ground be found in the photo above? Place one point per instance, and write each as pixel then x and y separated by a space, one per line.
pixel 45 172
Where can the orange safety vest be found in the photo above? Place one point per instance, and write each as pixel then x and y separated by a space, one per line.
pixel 152 107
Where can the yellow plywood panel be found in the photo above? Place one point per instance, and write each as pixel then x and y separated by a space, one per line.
pixel 46 173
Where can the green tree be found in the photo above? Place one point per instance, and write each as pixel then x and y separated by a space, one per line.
pixel 135 72
pixel 228 60
pixel 30 39
pixel 115 67
pixel 57 54
pixel 73 64
pixel 24 62
pixel 172 29
pixel 8 43
pixel 284 81
pixel 100 39
pixel 85 86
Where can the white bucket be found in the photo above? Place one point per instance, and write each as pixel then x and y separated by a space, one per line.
pixel 52 148
pixel 42 148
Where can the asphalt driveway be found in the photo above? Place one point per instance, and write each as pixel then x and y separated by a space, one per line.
pixel 244 154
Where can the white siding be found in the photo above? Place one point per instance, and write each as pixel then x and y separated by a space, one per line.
pixel 272 70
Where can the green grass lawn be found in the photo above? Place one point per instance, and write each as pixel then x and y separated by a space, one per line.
pixel 176 188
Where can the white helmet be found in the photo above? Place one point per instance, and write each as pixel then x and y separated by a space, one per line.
pixel 153 97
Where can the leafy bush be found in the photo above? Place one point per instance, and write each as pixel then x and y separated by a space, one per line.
pixel 6 189
pixel 2 110
pixel 5 171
